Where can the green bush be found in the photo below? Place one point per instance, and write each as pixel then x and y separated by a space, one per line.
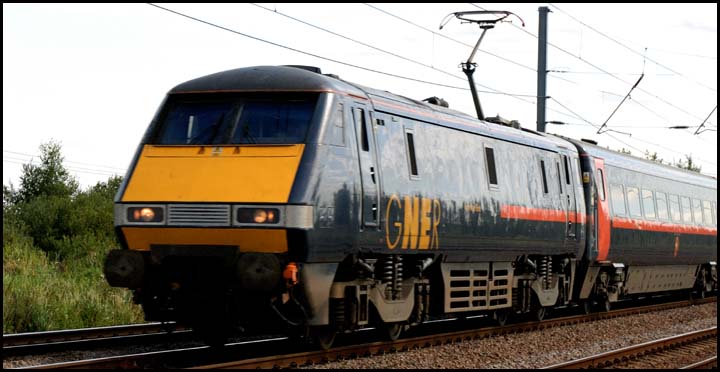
pixel 40 294
pixel 55 239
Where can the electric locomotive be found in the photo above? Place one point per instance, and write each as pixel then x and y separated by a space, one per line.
pixel 280 198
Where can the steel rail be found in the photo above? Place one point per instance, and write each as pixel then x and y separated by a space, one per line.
pixel 632 353
pixel 202 357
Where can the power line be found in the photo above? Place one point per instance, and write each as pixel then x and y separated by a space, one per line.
pixel 66 161
pixel 681 53
pixel 601 71
pixel 333 60
pixel 620 104
pixel 451 39
pixel 68 168
pixel 635 126
pixel 345 63
pixel 632 50
pixel 698 131
pixel 364 68
pixel 387 52
pixel 580 58
pixel 618 78
pixel 623 142
pixel 316 55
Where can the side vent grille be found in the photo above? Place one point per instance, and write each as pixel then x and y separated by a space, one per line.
pixel 477 286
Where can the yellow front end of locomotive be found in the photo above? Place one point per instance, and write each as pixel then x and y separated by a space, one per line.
pixel 196 191
pixel 214 174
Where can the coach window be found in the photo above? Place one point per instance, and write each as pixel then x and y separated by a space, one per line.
pixel 491 170
pixel 617 197
pixel 707 213
pixel 601 185
pixel 686 211
pixel 697 211
pixel 360 119
pixel 674 208
pixel 335 132
pixel 648 203
pixel 410 142
pixel 557 165
pixel 633 198
pixel 662 207
pixel 544 178
pixel 567 169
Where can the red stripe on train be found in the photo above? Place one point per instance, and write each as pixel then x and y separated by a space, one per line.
pixel 630 224
pixel 554 215
pixel 536 214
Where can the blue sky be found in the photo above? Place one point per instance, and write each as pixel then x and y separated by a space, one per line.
pixel 91 76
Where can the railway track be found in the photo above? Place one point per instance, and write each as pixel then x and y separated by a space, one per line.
pixel 687 351
pixel 87 338
pixel 282 353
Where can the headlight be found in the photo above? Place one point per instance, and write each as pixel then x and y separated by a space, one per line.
pixel 145 214
pixel 258 215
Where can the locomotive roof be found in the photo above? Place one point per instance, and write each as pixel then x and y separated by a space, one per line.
pixel 636 164
pixel 265 78
pixel 292 78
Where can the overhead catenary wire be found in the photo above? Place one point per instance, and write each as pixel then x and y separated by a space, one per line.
pixel 67 161
pixel 316 55
pixel 518 97
pixel 275 11
pixel 630 49
pixel 698 131
pixel 345 63
pixel 616 77
pixel 623 142
pixel 69 168
pixel 449 38
pixel 620 104
pixel 602 71
pixel 624 81
pixel 361 67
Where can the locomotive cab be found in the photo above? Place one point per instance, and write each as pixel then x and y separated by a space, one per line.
pixel 205 215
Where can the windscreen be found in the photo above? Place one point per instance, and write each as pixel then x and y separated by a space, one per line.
pixel 218 119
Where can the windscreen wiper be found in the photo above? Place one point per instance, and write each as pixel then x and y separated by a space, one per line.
pixel 213 131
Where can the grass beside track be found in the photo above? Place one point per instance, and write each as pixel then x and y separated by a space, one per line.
pixel 41 294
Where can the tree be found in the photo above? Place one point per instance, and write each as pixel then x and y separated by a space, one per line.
pixel 49 178
pixel 43 203
pixel 10 196
pixel 688 164
pixel 654 157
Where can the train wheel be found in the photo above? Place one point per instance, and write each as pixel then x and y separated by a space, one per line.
pixel 324 336
pixel 604 304
pixel 537 311
pixel 701 293
pixel 501 316
pixel 392 330
pixel 587 307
